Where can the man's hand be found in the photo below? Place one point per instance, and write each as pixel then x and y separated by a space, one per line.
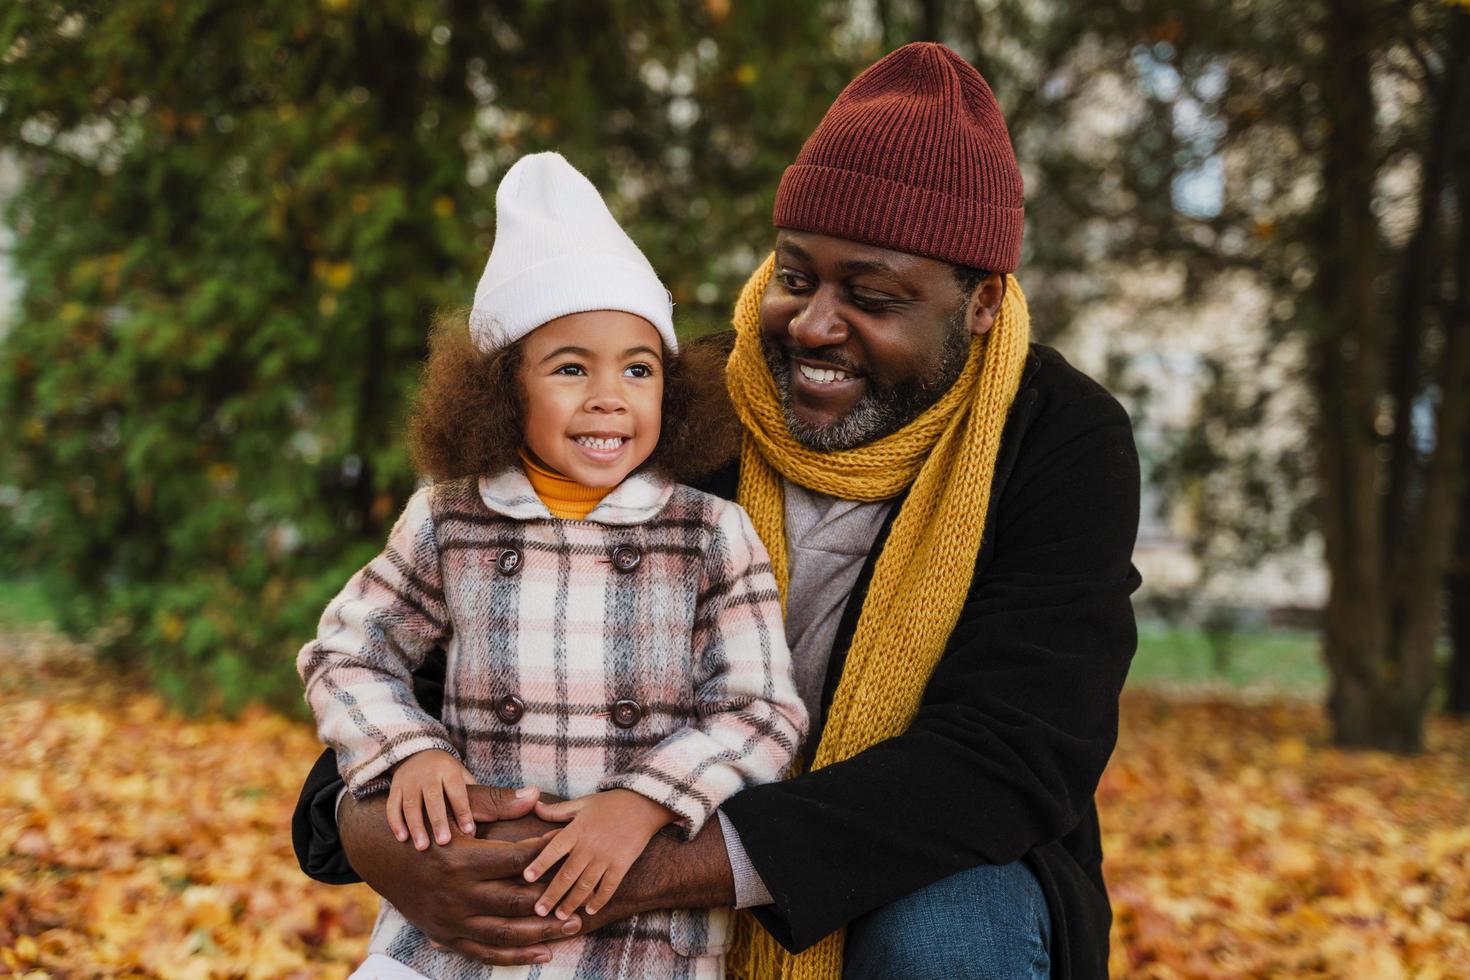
pixel 468 896
pixel 669 875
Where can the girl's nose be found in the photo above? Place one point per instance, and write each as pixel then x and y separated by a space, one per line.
pixel 607 399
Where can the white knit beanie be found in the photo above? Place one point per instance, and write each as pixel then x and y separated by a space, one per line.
pixel 559 251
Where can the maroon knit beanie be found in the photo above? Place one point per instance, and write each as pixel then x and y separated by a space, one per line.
pixel 913 156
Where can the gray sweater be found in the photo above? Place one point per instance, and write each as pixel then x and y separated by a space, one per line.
pixel 827 541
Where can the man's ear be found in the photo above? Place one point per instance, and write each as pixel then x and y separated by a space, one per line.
pixel 985 303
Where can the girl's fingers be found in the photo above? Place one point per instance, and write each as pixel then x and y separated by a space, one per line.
pixel 561 883
pixel 550 854
pixel 395 814
pixel 413 813
pixel 558 812
pixel 611 879
pixel 438 813
pixel 459 801
pixel 542 840
pixel 582 890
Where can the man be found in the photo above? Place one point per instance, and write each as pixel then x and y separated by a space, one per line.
pixel 951 513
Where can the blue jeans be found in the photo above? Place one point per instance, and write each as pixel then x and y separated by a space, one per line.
pixel 988 922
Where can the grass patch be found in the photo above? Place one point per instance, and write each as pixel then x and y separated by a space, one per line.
pixel 23 603
pixel 1276 661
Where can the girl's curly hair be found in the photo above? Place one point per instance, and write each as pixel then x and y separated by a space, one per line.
pixel 468 415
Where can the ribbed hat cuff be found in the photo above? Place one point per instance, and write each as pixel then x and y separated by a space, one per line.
pixel 877 211
pixel 570 284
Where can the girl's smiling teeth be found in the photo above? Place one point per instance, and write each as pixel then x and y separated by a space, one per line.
pixel 600 443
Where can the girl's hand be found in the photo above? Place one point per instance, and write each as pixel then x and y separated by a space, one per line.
pixel 607 833
pixel 421 783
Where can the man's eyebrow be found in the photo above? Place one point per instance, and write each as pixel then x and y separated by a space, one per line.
pixel 858 266
pixel 795 249
pixel 848 267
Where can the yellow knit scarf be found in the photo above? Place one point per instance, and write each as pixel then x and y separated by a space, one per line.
pixel 919 583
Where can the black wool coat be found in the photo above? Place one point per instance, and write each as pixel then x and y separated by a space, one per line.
pixel 1017 722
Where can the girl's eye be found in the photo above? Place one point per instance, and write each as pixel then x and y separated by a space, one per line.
pixel 569 369
pixel 639 370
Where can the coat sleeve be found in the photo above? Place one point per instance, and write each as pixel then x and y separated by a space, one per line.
pixel 1018 719
pixel 358 670
pixel 314 823
pixel 749 718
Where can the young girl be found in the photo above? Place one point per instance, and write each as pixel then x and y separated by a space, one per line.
pixel 613 637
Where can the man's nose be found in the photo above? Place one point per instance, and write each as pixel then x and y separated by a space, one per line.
pixel 818 323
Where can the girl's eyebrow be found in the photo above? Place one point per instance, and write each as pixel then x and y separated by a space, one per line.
pixel 584 352
pixel 577 351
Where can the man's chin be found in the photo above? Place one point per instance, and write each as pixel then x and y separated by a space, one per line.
pixel 806 418
pixel 827 434
pixel 824 428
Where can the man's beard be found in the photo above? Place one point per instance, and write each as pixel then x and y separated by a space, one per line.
pixel 882 410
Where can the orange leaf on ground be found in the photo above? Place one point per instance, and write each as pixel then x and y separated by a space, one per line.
pixel 139 843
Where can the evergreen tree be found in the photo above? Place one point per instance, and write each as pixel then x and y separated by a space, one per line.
pixel 235 225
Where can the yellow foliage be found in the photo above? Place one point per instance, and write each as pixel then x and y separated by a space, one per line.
pixel 137 843
pixel 171 627
pixel 1237 843
pixel 339 275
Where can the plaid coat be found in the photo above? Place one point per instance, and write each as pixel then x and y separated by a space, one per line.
pixel 639 648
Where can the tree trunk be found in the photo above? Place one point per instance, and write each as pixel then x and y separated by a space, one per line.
pixel 1388 529
pixel 1457 701
pixel 1348 351
pixel 1457 683
pixel 931 20
pixel 889 31
pixel 1416 295
pixel 1364 717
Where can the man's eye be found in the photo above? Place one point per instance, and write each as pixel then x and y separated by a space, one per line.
pixel 793 281
pixel 871 303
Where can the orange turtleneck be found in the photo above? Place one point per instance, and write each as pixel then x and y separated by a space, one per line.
pixel 565 498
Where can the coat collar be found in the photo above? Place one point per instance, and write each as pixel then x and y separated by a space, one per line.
pixel 636 500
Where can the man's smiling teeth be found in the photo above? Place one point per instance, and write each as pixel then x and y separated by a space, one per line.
pixel 822 375
pixel 593 442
